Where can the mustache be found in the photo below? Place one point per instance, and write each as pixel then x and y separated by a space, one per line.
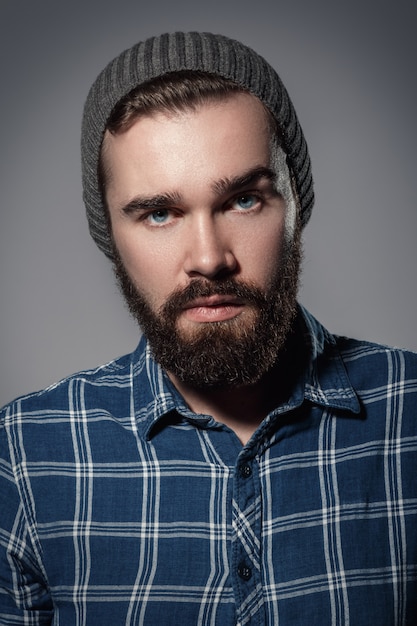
pixel 200 288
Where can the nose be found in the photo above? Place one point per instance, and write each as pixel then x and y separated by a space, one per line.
pixel 208 249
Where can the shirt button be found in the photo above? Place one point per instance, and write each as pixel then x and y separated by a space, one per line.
pixel 245 471
pixel 244 571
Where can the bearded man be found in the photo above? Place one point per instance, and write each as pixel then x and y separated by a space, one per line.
pixel 242 465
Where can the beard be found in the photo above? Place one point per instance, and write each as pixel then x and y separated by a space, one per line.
pixel 224 354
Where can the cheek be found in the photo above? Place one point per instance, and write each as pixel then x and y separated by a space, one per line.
pixel 262 253
pixel 150 266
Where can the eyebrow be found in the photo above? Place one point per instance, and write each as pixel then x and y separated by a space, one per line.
pixel 143 203
pixel 251 177
pixel 221 187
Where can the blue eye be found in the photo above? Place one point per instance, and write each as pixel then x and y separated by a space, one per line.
pixel 159 216
pixel 246 201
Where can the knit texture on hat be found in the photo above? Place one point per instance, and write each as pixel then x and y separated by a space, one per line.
pixel 166 53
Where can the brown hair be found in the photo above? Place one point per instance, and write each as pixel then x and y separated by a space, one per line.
pixel 173 92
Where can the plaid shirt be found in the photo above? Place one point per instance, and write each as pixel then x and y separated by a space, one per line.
pixel 119 506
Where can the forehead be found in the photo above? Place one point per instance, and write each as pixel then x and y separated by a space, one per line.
pixel 236 116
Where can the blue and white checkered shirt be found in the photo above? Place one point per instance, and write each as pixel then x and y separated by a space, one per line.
pixel 119 506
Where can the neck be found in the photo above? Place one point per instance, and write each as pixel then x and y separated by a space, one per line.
pixel 242 409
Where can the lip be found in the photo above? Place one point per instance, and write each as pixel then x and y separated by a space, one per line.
pixel 214 308
pixel 213 301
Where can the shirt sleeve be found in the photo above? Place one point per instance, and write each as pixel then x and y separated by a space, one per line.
pixel 24 596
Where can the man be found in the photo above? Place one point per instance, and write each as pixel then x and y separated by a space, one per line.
pixel 242 466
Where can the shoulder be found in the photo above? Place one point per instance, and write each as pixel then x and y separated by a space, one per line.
pixel 366 362
pixel 93 386
pixel 377 361
pixel 383 378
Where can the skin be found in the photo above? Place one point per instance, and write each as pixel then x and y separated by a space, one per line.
pixel 191 195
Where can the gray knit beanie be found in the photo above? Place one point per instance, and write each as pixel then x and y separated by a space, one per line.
pixel 160 55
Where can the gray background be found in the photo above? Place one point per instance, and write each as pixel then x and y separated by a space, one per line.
pixel 350 69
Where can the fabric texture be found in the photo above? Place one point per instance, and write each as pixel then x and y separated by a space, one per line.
pixel 119 506
pixel 166 53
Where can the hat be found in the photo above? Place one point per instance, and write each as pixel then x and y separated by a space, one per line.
pixel 156 56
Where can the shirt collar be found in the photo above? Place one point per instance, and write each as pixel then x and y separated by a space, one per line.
pixel 323 379
pixel 326 379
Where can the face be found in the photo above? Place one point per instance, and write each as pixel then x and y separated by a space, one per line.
pixel 202 250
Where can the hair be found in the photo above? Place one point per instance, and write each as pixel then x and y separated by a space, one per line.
pixel 174 92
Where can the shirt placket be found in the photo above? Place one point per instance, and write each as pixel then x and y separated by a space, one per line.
pixel 246 546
